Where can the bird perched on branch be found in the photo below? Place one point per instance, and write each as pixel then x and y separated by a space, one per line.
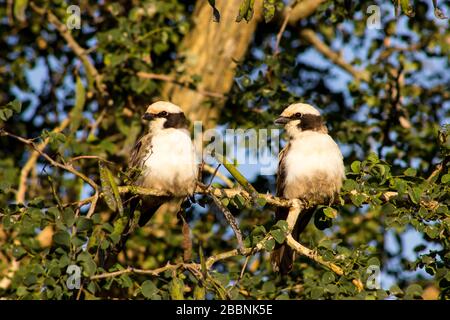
pixel 164 159
pixel 310 168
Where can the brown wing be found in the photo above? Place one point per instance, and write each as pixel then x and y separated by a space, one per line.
pixel 281 173
pixel 138 156
pixel 140 151
pixel 282 257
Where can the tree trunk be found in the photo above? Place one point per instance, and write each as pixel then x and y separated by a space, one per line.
pixel 210 51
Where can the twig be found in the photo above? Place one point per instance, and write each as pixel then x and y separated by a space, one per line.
pixel 71 160
pixel 96 123
pixel 287 15
pixel 225 179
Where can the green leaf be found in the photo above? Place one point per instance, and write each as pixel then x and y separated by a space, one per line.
pixel 374 261
pixel 106 187
pixel 202 260
pixel 283 225
pixel 395 290
pixel 225 201
pixel 373 158
pixel 328 277
pixel 77 111
pixel 240 201
pixel 87 263
pixel 261 202
pixel 269 245
pixel 432 231
pixel 317 293
pixel 18 252
pixel 414 194
pixel 19 9
pixel 84 224
pixel 410 172
pixel 110 189
pixel 330 212
pixel 16 105
pixel 199 292
pixel 62 238
pixel 414 290
pixel 148 289
pixel 176 288
pixel 278 235
pixel 357 199
pixel 68 216
pixel 356 166
pixel 350 185
pixel 5 114
pixel 445 178
pixel 407 8
pixel 268 9
pixel 245 10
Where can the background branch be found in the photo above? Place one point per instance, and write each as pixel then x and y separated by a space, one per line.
pixel 310 36
pixel 79 51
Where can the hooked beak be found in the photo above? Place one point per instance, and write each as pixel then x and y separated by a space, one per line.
pixel 281 120
pixel 147 116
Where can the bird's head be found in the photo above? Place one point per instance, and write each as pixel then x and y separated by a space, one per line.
pixel 163 115
pixel 299 117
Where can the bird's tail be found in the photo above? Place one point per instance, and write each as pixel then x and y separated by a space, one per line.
pixel 282 257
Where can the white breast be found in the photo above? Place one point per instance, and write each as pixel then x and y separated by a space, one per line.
pixel 171 164
pixel 310 154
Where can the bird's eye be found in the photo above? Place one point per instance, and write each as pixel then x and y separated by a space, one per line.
pixel 163 114
pixel 298 115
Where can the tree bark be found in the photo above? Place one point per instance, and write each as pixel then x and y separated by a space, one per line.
pixel 210 51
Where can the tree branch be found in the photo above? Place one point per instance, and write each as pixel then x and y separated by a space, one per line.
pixel 54 163
pixel 302 10
pixel 310 36
pixel 79 51
pixel 153 272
